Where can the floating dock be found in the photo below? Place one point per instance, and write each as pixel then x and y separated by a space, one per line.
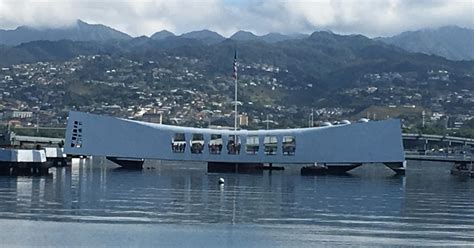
pixel 56 156
pixel 23 162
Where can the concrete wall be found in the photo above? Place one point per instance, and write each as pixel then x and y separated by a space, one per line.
pixel 370 142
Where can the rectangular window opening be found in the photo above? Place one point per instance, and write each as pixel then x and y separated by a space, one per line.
pixel 252 145
pixel 197 143
pixel 178 143
pixel 233 145
pixel 76 138
pixel 215 144
pixel 270 144
pixel 289 145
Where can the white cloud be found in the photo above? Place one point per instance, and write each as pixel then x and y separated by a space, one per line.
pixel 138 17
pixel 375 17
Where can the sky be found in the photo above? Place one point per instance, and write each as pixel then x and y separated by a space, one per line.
pixel 144 17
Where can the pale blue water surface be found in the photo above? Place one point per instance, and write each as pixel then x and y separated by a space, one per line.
pixel 93 203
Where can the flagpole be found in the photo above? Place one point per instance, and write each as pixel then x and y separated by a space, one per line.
pixel 235 106
pixel 235 96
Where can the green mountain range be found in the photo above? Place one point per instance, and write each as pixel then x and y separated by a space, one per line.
pixel 450 42
pixel 80 31
pixel 325 59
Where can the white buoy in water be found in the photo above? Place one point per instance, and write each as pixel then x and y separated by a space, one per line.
pixel 221 180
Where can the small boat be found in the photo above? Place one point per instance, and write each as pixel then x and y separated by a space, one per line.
pixel 463 169
pixel 324 169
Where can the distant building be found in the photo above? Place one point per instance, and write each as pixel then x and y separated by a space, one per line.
pixel 153 117
pixel 457 124
pixel 14 123
pixel 243 120
pixel 14 114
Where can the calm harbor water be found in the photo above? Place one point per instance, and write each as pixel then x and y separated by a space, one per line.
pixel 94 203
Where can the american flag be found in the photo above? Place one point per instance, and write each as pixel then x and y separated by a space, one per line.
pixel 235 65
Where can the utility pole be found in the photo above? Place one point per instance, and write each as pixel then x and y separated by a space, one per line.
pixel 423 119
pixel 37 123
pixel 268 122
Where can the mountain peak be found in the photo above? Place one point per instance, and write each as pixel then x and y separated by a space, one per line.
pixel 244 35
pixel 205 35
pixel 323 36
pixel 201 33
pixel 276 37
pixel 81 31
pixel 163 34
pixel 81 22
